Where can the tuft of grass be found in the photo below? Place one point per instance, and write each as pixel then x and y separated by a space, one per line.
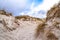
pixel 40 29
pixel 3 12
pixel 51 36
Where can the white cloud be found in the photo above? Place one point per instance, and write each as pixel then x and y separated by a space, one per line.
pixel 46 5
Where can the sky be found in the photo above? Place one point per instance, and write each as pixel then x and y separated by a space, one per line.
pixel 35 8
